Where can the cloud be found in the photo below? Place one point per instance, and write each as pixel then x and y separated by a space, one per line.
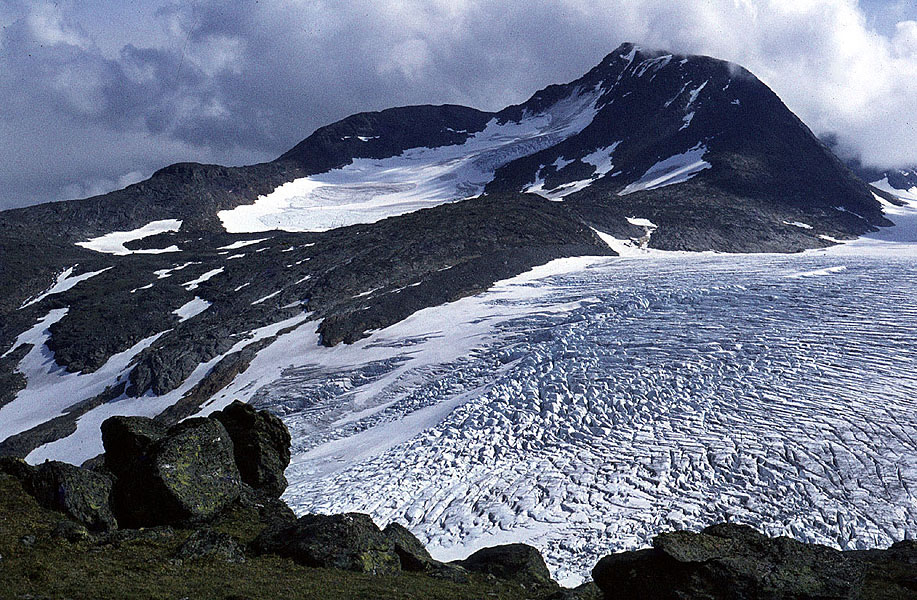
pixel 93 90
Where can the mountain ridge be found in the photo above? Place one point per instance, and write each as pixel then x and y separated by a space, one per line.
pixel 393 211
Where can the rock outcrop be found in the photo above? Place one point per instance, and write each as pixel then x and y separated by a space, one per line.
pixel 78 493
pixel 729 561
pixel 261 446
pixel 351 542
pixel 515 562
pixel 187 473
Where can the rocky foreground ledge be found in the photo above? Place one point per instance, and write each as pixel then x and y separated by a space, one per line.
pixel 194 511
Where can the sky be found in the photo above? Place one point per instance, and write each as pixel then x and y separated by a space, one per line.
pixel 98 94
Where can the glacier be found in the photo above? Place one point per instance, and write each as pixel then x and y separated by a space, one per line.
pixel 586 407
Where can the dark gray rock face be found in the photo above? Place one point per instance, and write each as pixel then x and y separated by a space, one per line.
pixel 71 531
pixel 734 561
pixel 351 542
pixel 207 543
pixel 128 441
pixel 514 562
pixel 78 493
pixel 261 446
pixel 187 474
pixel 414 557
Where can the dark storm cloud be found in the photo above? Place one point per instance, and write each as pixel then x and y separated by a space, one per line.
pixel 97 93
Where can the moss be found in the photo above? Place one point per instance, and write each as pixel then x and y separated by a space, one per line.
pixel 142 566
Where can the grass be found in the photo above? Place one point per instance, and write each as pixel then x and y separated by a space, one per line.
pixel 35 564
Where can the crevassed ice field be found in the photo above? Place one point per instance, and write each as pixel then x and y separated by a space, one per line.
pixel 589 404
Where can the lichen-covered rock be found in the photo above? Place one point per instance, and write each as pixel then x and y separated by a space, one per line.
pixel 351 542
pixel 207 543
pixel 185 474
pixel 194 465
pixel 70 530
pixel 520 563
pixel 734 561
pixel 261 443
pixel 414 557
pixel 16 467
pixel 273 512
pixel 78 493
pixel 127 442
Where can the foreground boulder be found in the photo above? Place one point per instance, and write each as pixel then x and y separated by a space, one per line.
pixel 351 542
pixel 79 493
pixel 261 445
pixel 207 543
pixel 186 474
pixel 413 556
pixel 734 561
pixel 513 562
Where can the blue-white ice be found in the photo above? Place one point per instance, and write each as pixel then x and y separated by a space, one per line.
pixel 588 411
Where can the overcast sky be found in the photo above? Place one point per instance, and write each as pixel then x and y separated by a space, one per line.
pixel 97 94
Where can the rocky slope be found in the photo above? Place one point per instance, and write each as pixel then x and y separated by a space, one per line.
pixel 381 214
pixel 194 510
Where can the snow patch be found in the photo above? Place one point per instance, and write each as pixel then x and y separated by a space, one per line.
pixel 195 283
pixel 601 159
pixel 673 170
pixel 242 244
pixel 798 224
pixel 266 298
pixel 50 388
pixel 368 190
pixel 113 243
pixel 191 309
pixel 64 282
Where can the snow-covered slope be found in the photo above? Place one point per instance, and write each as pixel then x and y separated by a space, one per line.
pixel 368 190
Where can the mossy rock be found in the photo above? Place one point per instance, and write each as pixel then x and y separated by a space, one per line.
pixel 207 543
pixel 413 556
pixel 735 561
pixel 513 562
pixel 186 474
pixel 351 542
pixel 79 493
pixel 261 444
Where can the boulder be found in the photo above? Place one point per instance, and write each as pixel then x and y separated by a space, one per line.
pixel 272 512
pixel 71 531
pixel 207 543
pixel 185 474
pixel 78 493
pixel 735 561
pixel 261 444
pixel 16 467
pixel 413 556
pixel 519 563
pixel 351 542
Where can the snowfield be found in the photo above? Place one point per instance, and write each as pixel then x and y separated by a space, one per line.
pixel 369 190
